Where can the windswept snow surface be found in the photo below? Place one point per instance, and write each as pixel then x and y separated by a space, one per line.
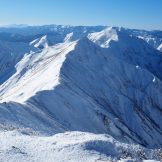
pixel 89 79
pixel 71 147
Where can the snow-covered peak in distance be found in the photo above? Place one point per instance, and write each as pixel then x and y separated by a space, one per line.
pixel 40 42
pixel 104 37
pixel 68 37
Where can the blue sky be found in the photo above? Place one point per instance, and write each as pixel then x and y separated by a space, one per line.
pixel 146 14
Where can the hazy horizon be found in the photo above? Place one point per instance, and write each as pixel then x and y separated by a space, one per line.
pixel 139 14
pixel 34 25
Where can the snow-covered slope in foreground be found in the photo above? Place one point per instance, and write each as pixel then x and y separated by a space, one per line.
pixel 71 147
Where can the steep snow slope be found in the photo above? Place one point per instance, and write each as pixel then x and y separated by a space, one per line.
pixel 32 71
pixel 27 119
pixel 31 77
pixel 88 89
pixel 71 147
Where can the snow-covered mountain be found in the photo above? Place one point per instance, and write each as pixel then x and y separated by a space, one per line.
pixel 89 79
pixel 129 48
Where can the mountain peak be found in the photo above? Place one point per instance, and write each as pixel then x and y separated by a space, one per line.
pixel 104 37
pixel 40 42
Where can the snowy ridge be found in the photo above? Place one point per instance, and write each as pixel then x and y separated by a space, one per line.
pixel 102 82
pixel 32 71
pixel 69 89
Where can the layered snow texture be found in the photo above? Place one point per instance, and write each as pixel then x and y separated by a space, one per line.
pixel 89 79
pixel 71 147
